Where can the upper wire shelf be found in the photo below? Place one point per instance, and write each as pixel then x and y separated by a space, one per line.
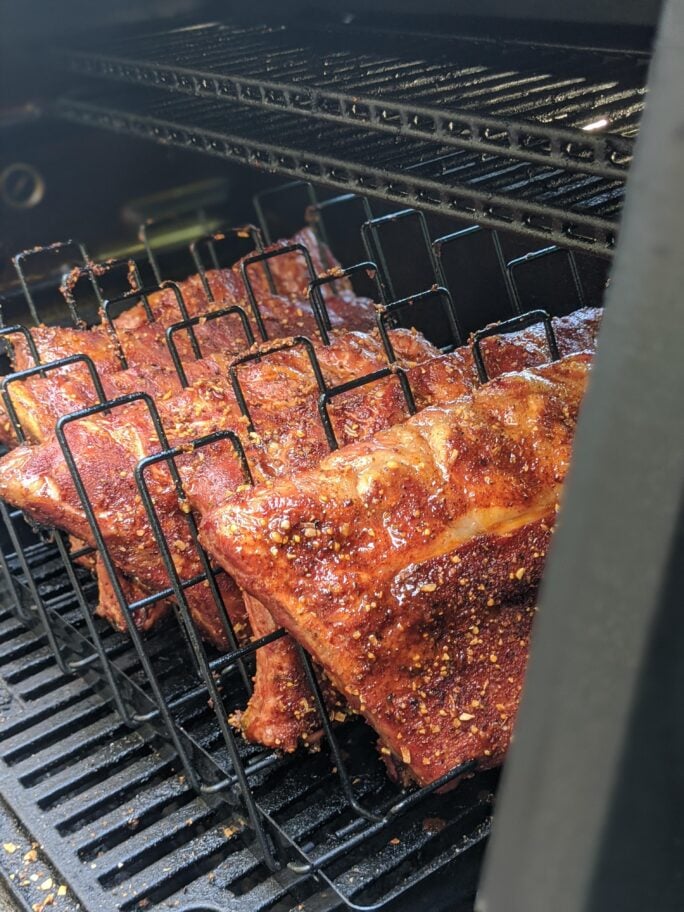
pixel 541 201
pixel 577 109
pixel 533 137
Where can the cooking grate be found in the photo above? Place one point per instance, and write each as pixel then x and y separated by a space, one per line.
pixel 537 200
pixel 530 101
pixel 267 831
pixel 534 136
pixel 123 825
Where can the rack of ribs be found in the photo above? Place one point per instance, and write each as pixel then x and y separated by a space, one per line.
pixel 289 437
pixel 108 447
pixel 143 344
pixel 407 563
pixel 40 400
pixel 281 712
pixel 285 445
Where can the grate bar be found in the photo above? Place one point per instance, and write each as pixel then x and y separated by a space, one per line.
pixel 73 751
pixel 228 874
pixel 542 203
pixel 39 670
pixel 146 823
pixel 448 90
pixel 22 745
pixel 126 785
pixel 121 862
pixel 188 862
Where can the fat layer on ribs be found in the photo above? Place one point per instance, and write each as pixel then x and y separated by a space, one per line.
pixel 404 563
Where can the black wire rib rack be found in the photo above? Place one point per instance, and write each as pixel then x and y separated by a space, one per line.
pixel 120 820
pixel 533 137
pixel 146 796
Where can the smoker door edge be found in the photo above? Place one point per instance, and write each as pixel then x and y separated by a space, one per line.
pixel 590 811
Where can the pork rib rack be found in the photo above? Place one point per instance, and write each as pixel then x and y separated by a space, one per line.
pixel 142 345
pixel 283 398
pixel 405 563
pixel 281 712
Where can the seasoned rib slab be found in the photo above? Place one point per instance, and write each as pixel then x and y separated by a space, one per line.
pixel 405 563
pixel 280 712
pixel 107 448
pixel 144 345
pixel 146 350
pixel 283 399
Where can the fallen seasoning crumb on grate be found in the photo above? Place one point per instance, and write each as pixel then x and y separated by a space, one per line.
pixel 40 906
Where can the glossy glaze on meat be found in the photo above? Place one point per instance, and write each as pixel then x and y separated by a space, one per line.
pixel 144 345
pixel 107 447
pixel 406 563
pixel 295 441
pixel 282 397
pixel 282 712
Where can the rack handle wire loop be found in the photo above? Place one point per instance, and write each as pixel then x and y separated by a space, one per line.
pixel 370 234
pixel 317 298
pixel 158 697
pixel 185 325
pixel 514 266
pixel 19 260
pixel 331 392
pixel 446 240
pixel 522 321
pixel 169 456
pixel 385 316
pixel 210 241
pixel 264 257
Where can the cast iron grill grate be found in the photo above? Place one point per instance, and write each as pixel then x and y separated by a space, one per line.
pixel 268 832
pixel 123 825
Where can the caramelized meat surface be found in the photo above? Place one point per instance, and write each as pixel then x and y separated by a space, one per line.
pixel 107 448
pixel 405 563
pixel 293 440
pixel 108 605
pixel 283 404
pixel 143 345
pixel 281 712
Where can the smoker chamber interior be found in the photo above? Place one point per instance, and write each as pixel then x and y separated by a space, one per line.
pixel 141 792
pixel 115 751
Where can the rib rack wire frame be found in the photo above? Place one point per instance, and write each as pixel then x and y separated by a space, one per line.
pixel 329 822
